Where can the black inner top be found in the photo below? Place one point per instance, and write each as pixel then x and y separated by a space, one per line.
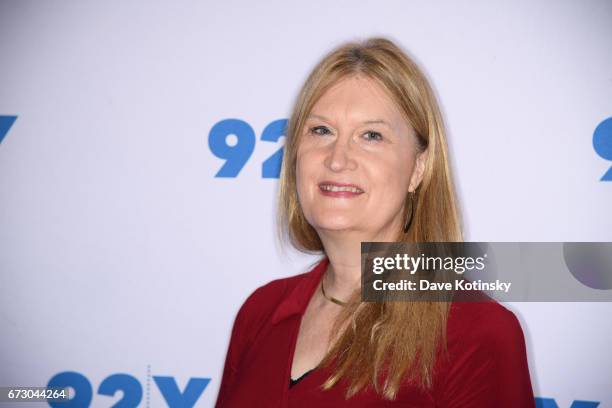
pixel 292 382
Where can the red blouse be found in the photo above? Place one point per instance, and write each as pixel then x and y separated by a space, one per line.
pixel 487 367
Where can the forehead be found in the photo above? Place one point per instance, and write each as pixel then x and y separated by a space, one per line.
pixel 357 98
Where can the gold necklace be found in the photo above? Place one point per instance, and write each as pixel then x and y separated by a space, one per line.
pixel 331 298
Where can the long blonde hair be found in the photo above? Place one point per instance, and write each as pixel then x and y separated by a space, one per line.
pixel 400 338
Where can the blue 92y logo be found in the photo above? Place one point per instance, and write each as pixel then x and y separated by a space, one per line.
pixel 237 154
pixel 602 143
pixel 128 387
pixel 5 125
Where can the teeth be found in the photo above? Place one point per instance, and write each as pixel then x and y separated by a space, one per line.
pixel 328 187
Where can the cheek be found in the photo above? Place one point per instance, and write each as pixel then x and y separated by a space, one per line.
pixel 391 179
pixel 303 175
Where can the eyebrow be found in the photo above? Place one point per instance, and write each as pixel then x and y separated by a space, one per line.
pixel 371 121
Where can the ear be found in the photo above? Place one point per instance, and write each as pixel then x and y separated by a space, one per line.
pixel 419 170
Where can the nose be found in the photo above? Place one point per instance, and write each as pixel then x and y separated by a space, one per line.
pixel 340 156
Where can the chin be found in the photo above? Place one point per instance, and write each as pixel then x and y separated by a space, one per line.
pixel 337 224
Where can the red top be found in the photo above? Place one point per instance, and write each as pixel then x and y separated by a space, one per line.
pixel 487 367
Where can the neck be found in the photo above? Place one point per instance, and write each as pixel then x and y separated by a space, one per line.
pixel 343 248
pixel 343 275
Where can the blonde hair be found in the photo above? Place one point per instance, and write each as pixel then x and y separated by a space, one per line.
pixel 400 339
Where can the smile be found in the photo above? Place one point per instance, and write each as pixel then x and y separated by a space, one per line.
pixel 335 189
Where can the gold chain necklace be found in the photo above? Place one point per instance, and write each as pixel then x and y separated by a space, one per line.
pixel 331 298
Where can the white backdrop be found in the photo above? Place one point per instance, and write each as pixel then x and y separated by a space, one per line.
pixel 122 253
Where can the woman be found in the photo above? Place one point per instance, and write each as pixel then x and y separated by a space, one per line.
pixel 366 160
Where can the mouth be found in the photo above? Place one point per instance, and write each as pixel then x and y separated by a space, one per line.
pixel 335 189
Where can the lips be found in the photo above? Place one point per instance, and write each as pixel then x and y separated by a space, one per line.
pixel 340 189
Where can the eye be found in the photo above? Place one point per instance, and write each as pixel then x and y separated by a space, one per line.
pixel 319 130
pixel 375 136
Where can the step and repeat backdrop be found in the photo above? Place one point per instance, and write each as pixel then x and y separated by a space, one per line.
pixel 139 151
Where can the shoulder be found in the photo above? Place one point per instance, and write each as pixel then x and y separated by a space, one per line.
pixel 260 305
pixel 487 363
pixel 486 335
pixel 488 322
pixel 264 298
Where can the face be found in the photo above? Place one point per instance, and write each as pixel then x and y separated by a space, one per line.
pixel 356 161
